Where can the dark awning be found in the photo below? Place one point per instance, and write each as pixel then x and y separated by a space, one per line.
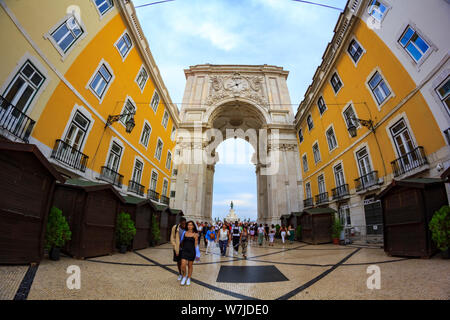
pixel 319 211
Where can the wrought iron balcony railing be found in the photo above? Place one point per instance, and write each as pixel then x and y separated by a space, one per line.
pixel 322 198
pixel 366 181
pixel 111 176
pixel 15 121
pixel 70 156
pixel 164 200
pixel 308 202
pixel 410 161
pixel 340 192
pixel 135 187
pixel 153 195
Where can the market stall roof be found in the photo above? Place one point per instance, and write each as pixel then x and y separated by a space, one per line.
pixel 91 186
pixel 319 211
pixel 138 201
pixel 420 183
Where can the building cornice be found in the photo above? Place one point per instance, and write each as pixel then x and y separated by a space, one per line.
pixel 227 68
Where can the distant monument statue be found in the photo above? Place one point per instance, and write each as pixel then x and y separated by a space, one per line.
pixel 232 217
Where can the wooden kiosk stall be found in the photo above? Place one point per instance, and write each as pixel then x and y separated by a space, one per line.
pixel 27 182
pixel 408 206
pixel 91 210
pixel 141 212
pixel 316 225
pixel 163 213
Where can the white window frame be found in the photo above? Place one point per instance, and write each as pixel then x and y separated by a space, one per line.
pixel 358 125
pixel 156 149
pixel 157 179
pixel 302 137
pixel 165 119
pixel 350 56
pixel 388 7
pixel 318 149
pixel 49 36
pixel 308 187
pixel 121 144
pixel 173 133
pixel 136 159
pixel 155 109
pixel 137 77
pixel 146 123
pixel 165 180
pixel 331 126
pixel 97 70
pixel 305 163
pixel 341 163
pixel 312 122
pixel 355 154
pixel 431 49
pixel 331 82
pixel 117 42
pixel 370 76
pixel 391 123
pixel 104 13
pixel 124 110
pixel 324 183
pixel 80 109
pixel 325 104
pixel 167 160
pixel 442 99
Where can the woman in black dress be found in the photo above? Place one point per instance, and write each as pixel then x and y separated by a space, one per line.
pixel 189 243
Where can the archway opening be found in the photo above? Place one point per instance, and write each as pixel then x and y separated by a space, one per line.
pixel 235 180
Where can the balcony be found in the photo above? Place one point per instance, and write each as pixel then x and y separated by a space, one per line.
pixel 366 181
pixel 340 192
pixel 410 161
pixel 308 202
pixel 111 176
pixel 70 156
pixel 322 198
pixel 135 187
pixel 14 121
pixel 153 195
pixel 164 200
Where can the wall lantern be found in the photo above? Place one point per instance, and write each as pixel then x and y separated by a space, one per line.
pixel 129 125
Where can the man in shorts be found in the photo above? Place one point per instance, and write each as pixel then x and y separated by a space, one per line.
pixel 176 236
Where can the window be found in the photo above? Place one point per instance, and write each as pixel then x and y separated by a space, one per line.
pixel 124 45
pixel 344 215
pixel 310 122
pixel 165 119
pixel 300 135
pixel 305 163
pixel 402 139
pixel 154 181
pixel 331 138
pixel 77 131
pixel 336 82
pixel 155 101
pixel 308 190
pixel 114 157
pixel 363 162
pixel 321 184
pixel 146 131
pixel 159 148
pixel 67 34
pixel 339 175
pixel 316 152
pixel 414 44
pixel 103 6
pixel 377 10
pixel 101 81
pixel 355 50
pixel 165 187
pixel 350 117
pixel 137 172
pixel 22 89
pixel 142 77
pixel 444 93
pixel 379 88
pixel 169 160
pixel 172 135
pixel 322 106
pixel 130 110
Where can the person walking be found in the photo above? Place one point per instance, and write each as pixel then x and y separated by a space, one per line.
pixel 200 230
pixel 206 228
pixel 211 238
pixel 291 231
pixel 176 236
pixel 266 229
pixel 261 233
pixel 283 233
pixel 236 233
pixel 243 240
pixel 189 246
pixel 224 238
pixel 252 233
pixel 271 235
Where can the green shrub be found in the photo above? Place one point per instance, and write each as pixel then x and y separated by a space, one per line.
pixel 125 230
pixel 336 228
pixel 298 233
pixel 440 228
pixel 277 230
pixel 156 235
pixel 58 231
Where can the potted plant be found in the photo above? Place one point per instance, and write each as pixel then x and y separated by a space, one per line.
pixel 336 229
pixel 125 231
pixel 298 233
pixel 440 230
pixel 156 235
pixel 57 233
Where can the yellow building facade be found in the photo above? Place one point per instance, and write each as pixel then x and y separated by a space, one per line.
pixel 363 123
pixel 81 84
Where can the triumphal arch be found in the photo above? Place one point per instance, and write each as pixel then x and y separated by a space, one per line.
pixel 237 101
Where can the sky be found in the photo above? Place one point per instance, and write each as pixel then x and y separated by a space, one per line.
pixel 284 33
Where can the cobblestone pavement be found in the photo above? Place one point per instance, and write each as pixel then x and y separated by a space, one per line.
pixel 312 272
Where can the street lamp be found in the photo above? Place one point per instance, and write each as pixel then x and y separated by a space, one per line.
pixel 129 125
pixel 364 123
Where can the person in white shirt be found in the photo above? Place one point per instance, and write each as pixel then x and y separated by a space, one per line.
pixel 261 233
